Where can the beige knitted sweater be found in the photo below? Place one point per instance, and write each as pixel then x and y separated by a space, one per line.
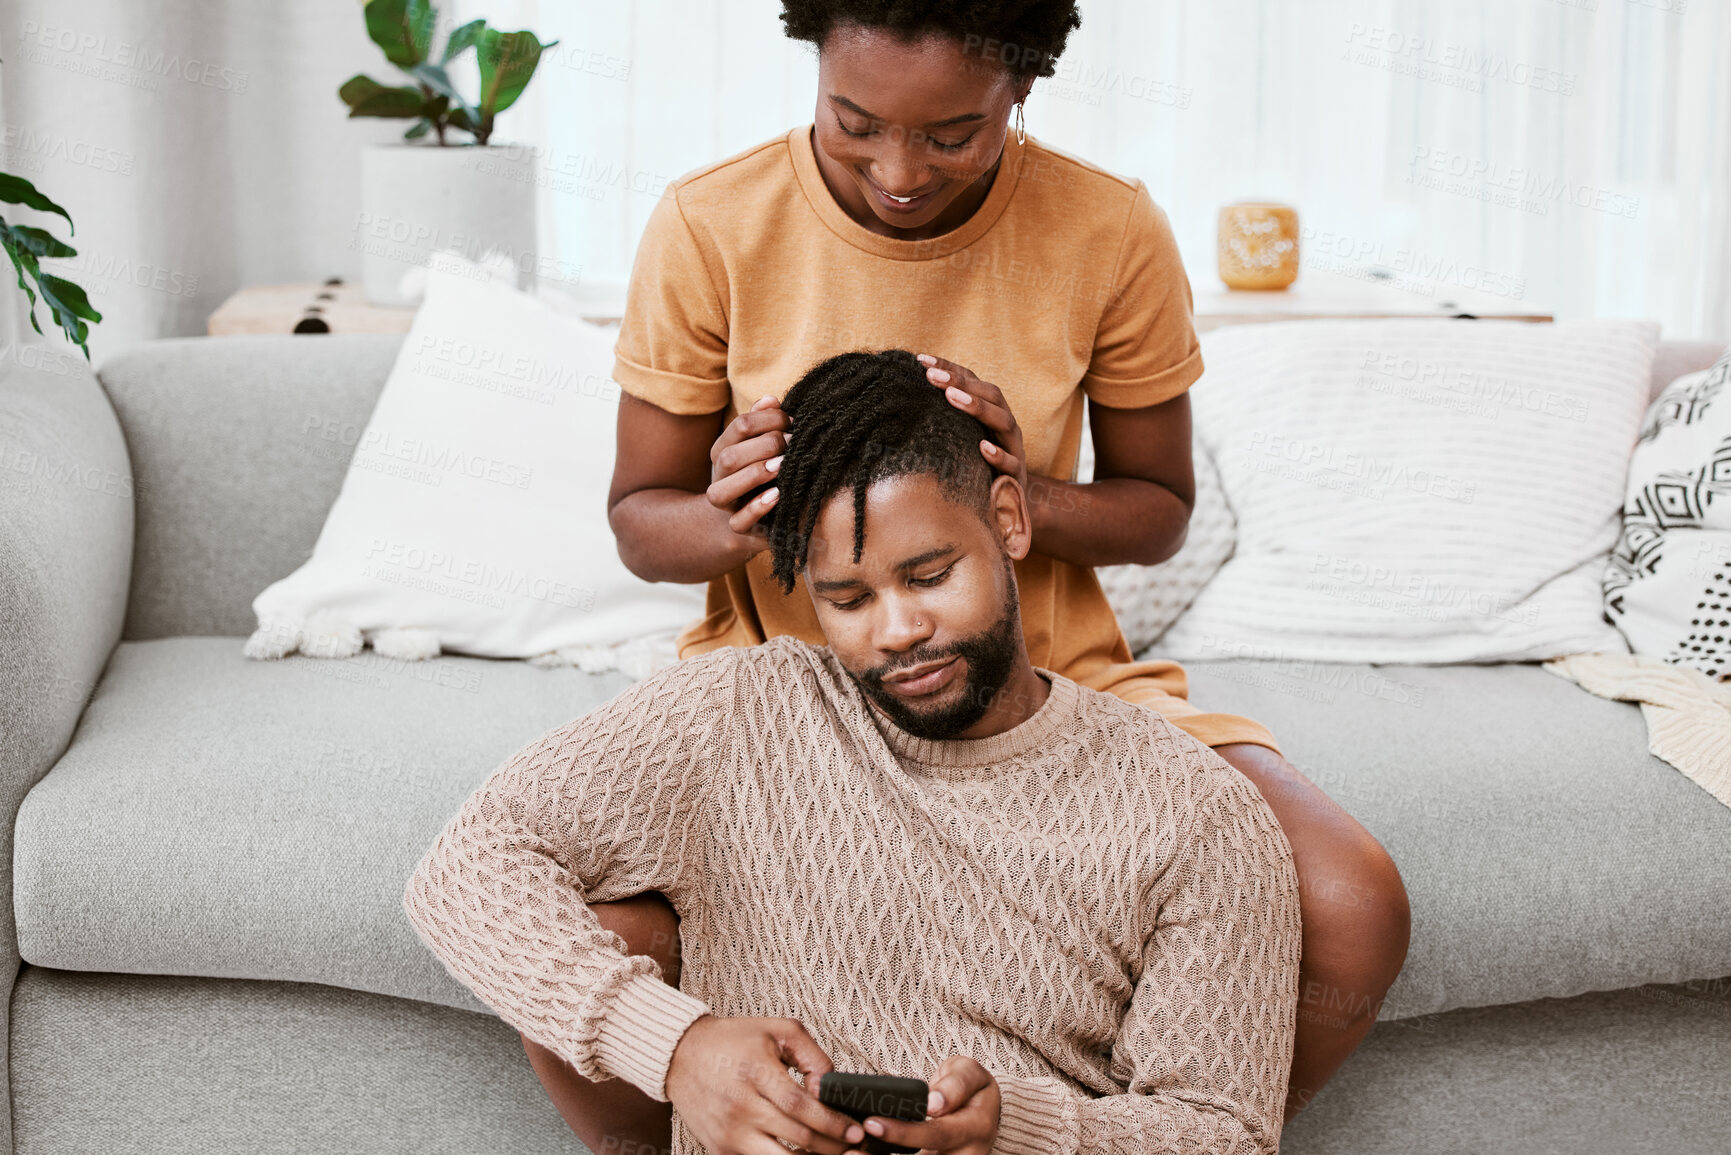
pixel 1094 905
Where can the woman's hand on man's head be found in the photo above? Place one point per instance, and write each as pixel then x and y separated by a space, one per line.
pixel 985 402
pixel 745 457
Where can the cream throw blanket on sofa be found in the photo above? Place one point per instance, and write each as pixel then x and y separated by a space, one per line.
pixel 1688 714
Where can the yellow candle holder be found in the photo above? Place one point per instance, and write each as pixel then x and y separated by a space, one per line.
pixel 1258 246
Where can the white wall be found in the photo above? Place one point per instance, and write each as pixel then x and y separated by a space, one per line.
pixel 1623 103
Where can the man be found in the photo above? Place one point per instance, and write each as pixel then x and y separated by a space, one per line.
pixel 909 852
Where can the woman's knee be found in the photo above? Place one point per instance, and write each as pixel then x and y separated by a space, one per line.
pixel 1356 916
pixel 649 925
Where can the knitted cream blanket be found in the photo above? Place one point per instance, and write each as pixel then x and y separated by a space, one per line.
pixel 1688 714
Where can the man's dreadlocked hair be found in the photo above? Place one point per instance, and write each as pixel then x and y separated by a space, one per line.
pixel 1026 36
pixel 857 419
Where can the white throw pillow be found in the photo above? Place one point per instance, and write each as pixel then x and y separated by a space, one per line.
pixel 1668 583
pixel 1148 598
pixel 473 516
pixel 1416 491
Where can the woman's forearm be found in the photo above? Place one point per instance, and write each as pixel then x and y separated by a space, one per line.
pixel 1118 521
pixel 671 535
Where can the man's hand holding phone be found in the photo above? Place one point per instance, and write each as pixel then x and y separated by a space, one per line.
pixel 728 1079
pixel 961 1113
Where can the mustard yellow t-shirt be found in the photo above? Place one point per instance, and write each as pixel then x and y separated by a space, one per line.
pixel 1066 283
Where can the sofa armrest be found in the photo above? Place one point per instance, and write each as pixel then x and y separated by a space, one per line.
pixel 65 558
pixel 65 567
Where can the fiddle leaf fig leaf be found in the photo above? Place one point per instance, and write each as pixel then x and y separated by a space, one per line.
pixel 367 97
pixel 460 119
pixel 439 81
pixel 463 39
pixel 402 28
pixel 508 60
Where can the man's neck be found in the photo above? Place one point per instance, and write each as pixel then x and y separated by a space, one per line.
pixel 1021 697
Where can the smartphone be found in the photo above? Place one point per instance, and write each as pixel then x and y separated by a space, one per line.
pixel 859 1096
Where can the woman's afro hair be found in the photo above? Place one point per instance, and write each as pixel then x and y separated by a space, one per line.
pixel 1026 36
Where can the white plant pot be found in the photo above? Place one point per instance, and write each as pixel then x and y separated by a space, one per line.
pixel 419 199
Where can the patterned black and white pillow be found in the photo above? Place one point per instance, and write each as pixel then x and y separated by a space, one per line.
pixel 1668 584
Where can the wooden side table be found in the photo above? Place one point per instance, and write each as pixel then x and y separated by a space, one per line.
pixel 339 306
pixel 336 306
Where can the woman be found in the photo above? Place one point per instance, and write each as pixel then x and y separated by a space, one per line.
pixel 910 214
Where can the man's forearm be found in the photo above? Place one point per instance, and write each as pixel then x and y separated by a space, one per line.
pixel 670 535
pixel 1042 1116
pixel 1117 521
pixel 501 897
pixel 604 1012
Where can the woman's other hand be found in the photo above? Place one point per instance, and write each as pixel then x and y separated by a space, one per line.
pixel 984 401
pixel 745 457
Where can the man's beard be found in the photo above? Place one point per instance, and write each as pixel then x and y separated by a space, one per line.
pixel 990 656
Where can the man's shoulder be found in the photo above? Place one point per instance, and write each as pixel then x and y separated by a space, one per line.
pixel 1151 746
pixel 780 659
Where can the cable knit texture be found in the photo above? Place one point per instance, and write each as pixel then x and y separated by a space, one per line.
pixel 1094 905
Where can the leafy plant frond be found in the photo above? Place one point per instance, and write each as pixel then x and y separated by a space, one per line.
pixel 25 245
pixel 18 191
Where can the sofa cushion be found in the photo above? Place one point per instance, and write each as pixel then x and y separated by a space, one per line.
pixel 239 446
pixel 1544 851
pixel 219 817
pixel 226 818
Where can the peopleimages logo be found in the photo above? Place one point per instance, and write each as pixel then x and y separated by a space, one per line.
pixel 91 55
pixel 382 450
pixel 468 579
pixel 23 147
pixel 1410 593
pixel 1378 474
pixel 1455 65
pixel 1332 251
pixel 1491 393
pixel 499 370
pixel 1512 186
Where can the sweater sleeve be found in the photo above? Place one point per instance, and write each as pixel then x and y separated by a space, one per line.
pixel 1205 1048
pixel 606 806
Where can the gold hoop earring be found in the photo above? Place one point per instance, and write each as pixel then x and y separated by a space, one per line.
pixel 1021 126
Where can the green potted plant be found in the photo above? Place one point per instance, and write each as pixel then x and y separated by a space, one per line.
pixel 27 245
pixel 447 185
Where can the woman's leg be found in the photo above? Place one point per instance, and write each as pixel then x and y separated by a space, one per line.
pixel 1354 908
pixel 615 1118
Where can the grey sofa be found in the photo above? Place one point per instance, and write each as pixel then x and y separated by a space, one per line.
pixel 205 941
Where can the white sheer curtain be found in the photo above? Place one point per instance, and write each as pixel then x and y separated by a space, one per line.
pixel 198 144
pixel 1573 155
pixel 1576 152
